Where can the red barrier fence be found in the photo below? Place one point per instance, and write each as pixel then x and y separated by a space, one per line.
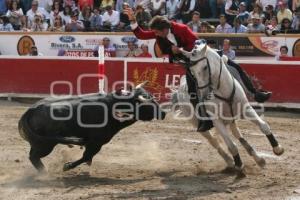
pixel 28 75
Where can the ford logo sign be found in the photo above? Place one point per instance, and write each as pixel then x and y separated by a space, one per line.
pixel 67 39
pixel 129 39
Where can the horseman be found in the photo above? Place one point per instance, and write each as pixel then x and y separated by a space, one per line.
pixel 171 37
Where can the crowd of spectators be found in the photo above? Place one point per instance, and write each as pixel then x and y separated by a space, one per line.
pixel 202 16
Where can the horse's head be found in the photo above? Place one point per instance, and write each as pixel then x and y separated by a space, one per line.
pixel 202 66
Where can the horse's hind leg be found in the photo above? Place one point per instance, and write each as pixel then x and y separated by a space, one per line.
pixel 38 152
pixel 265 128
pixel 251 151
pixel 215 143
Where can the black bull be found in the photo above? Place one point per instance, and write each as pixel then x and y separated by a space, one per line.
pixel 90 121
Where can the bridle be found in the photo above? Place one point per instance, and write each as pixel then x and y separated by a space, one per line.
pixel 209 85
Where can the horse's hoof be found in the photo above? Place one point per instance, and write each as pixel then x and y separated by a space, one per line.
pixel 240 175
pixel 67 166
pixel 261 162
pixel 278 150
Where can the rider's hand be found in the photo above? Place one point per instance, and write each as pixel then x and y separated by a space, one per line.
pixel 176 50
pixel 129 12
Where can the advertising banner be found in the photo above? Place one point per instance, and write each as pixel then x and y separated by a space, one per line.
pixel 79 44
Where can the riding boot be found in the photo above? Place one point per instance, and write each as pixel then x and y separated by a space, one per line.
pixel 259 95
pixel 203 125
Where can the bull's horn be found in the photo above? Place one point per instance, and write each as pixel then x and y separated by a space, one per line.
pixel 143 99
pixel 141 84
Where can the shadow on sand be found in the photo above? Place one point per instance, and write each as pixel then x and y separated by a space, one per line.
pixel 175 185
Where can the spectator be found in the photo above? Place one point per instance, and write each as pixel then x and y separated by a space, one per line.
pixel 243 14
pixel 145 52
pixel 223 27
pixel 96 20
pixel 46 4
pixel 265 3
pixel 221 6
pixel 269 13
pixel 106 3
pixel 111 18
pixel 35 9
pixel 256 26
pixel 25 5
pixel 202 6
pixel 3 7
pixel 75 25
pixel 227 50
pixel 34 51
pixel 296 4
pixel 238 27
pixel 71 4
pixel 272 26
pixel 296 20
pixel 37 25
pixel 143 17
pixel 286 26
pixel 57 25
pixel 85 3
pixel 172 8
pixel 132 50
pixel 257 10
pixel 61 52
pixel 144 3
pixel 119 4
pixel 283 12
pixel 66 15
pixel 195 24
pixel 231 10
pixel 15 14
pixel 86 16
pixel 109 50
pixel 5 25
pixel 56 10
pixel 213 8
pixel 206 28
pixel 158 7
pixel 186 8
pixel 283 52
pixel 124 24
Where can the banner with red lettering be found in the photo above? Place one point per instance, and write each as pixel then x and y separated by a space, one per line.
pixel 161 76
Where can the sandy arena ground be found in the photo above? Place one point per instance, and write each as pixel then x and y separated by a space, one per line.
pixel 157 160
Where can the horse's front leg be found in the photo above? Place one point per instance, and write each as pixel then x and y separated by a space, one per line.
pixel 215 143
pixel 232 147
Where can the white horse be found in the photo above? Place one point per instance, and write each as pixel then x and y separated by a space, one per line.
pixel 225 101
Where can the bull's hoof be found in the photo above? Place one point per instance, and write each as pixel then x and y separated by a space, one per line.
pixel 261 162
pixel 278 150
pixel 67 166
pixel 89 163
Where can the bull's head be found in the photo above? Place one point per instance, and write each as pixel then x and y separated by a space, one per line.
pixel 145 106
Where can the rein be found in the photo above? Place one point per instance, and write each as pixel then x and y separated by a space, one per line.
pixel 228 100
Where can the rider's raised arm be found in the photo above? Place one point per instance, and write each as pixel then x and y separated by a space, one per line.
pixel 140 33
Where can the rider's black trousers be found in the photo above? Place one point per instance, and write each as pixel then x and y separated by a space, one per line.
pixel 244 76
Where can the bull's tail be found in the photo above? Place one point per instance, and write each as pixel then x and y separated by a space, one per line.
pixel 29 135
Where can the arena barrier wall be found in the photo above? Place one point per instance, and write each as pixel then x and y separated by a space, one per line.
pixel 57 75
